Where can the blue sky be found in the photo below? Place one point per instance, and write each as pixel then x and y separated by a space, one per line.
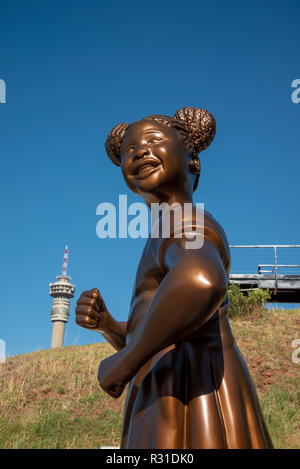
pixel 73 70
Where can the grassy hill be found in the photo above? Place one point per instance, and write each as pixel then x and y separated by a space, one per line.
pixel 51 398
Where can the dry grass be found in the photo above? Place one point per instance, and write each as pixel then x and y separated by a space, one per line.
pixel 51 398
pixel 57 391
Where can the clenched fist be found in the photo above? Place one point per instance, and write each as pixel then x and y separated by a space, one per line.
pixel 91 311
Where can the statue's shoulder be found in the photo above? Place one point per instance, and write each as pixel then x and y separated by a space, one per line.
pixel 195 219
pixel 203 221
pixel 214 232
pixel 211 224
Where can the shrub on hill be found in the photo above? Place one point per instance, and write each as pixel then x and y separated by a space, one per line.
pixel 249 305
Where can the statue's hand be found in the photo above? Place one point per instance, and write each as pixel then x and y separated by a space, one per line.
pixel 91 311
pixel 113 374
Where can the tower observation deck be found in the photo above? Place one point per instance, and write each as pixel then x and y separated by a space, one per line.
pixel 62 290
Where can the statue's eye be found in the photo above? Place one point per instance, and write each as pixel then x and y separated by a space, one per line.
pixel 129 148
pixel 154 140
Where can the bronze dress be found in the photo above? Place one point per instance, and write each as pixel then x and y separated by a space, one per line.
pixel 197 393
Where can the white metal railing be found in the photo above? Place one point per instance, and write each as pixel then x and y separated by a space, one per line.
pixel 274 266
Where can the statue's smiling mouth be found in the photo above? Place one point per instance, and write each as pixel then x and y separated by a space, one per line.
pixel 145 167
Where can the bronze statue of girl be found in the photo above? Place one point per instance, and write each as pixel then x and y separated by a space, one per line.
pixel 189 386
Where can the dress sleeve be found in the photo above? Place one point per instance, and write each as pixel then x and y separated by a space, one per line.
pixel 212 232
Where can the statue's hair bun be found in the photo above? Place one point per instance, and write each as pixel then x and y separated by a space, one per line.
pixel 114 141
pixel 200 124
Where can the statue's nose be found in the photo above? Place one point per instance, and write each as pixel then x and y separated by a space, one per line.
pixel 140 151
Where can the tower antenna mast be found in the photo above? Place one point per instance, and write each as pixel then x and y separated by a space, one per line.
pixel 65 263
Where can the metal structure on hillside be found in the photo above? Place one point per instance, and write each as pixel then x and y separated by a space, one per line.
pixel 284 287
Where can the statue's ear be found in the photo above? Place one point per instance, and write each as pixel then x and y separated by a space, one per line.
pixel 194 165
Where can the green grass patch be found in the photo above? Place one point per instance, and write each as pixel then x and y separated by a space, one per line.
pixel 281 411
pixel 60 430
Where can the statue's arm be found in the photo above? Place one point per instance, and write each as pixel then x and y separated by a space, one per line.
pixel 91 313
pixel 115 333
pixel 192 290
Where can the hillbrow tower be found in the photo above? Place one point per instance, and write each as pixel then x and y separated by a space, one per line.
pixel 62 290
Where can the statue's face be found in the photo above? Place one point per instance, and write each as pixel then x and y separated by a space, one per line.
pixel 153 158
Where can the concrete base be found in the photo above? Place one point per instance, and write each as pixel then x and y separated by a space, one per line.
pixel 58 332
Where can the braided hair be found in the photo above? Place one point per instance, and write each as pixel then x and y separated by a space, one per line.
pixel 196 127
